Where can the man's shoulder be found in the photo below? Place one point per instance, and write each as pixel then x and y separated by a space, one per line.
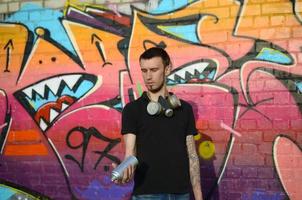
pixel 185 103
pixel 133 104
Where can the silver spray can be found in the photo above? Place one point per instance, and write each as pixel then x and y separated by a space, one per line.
pixel 118 171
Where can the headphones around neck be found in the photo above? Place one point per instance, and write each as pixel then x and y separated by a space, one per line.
pixel 164 105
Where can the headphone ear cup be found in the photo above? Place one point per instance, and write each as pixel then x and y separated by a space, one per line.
pixel 154 108
pixel 174 102
pixel 169 112
pixel 165 106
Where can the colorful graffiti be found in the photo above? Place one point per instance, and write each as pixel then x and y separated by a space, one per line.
pixel 65 77
pixel 12 191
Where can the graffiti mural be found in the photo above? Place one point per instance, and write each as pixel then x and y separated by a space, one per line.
pixel 65 77
pixel 12 191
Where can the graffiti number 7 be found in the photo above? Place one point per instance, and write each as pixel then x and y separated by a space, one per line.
pixel 86 134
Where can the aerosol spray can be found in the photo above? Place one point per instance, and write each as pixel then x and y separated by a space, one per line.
pixel 118 171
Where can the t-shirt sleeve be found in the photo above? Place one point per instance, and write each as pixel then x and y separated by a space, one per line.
pixel 128 120
pixel 191 129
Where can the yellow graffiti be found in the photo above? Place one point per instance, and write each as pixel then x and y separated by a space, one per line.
pixel 206 149
pixel 13 39
pixel 197 137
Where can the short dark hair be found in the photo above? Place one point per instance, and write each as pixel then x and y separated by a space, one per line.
pixel 156 52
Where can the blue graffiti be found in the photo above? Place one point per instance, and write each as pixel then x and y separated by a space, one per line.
pixel 299 86
pixel 81 90
pixel 6 193
pixel 165 6
pixel 261 194
pixel 185 32
pixel 212 74
pixel 273 55
pixel 118 106
pixel 33 16
pixel 104 190
pixel 39 101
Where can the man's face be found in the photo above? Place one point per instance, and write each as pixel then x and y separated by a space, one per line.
pixel 154 73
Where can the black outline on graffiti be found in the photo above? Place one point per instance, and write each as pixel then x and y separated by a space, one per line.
pixel 86 134
pixel 21 97
pixel 212 66
pixel 122 45
pixel 28 46
pixel 121 29
pixel 22 189
pixel 98 43
pixel 47 37
pixel 8 47
pixel 287 79
pixel 151 23
pixel 229 146
pixel 296 13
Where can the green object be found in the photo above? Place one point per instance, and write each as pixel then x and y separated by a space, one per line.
pixel 139 89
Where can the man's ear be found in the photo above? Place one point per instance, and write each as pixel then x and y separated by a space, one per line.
pixel 168 69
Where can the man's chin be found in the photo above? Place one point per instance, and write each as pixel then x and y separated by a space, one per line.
pixel 154 90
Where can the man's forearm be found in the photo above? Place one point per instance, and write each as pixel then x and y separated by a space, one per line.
pixel 130 148
pixel 195 178
pixel 194 168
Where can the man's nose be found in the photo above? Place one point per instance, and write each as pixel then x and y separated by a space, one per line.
pixel 149 75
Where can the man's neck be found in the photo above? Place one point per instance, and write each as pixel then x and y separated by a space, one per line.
pixel 154 96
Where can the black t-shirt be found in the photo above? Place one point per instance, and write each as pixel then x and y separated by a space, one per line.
pixel 160 147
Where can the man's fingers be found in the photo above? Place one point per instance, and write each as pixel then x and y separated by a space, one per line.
pixel 114 165
pixel 126 176
pixel 131 172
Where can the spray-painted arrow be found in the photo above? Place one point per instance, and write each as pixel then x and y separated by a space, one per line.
pixel 99 45
pixel 8 48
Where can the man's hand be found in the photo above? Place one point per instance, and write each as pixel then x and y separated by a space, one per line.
pixel 127 175
pixel 130 150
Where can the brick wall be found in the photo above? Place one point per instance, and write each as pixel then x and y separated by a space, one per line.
pixel 67 68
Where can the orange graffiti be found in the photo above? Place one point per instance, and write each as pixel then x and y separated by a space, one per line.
pixel 25 143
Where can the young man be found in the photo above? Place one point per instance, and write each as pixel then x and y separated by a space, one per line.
pixel 164 146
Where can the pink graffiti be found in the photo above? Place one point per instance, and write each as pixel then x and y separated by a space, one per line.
pixel 226 127
pixel 3 125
